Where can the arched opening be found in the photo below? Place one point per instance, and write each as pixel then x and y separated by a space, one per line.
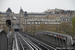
pixel 16 30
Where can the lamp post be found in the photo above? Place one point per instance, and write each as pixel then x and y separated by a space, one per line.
pixel 19 19
pixel 3 21
pixel 31 26
pixel 26 17
pixel 34 25
pixel 26 24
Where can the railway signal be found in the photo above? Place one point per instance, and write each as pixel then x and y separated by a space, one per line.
pixel 8 23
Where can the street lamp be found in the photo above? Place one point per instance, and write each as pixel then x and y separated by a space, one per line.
pixel 34 25
pixel 26 17
pixel 26 24
pixel 3 21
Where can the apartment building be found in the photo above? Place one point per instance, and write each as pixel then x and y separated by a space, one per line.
pixel 24 18
pixel 5 16
pixel 59 11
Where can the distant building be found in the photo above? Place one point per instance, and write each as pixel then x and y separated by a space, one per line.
pixel 59 11
pixel 66 18
pixel 23 18
pixel 4 16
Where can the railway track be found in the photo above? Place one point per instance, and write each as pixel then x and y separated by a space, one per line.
pixel 41 44
pixel 26 42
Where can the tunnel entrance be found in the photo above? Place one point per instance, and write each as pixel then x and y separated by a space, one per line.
pixel 16 30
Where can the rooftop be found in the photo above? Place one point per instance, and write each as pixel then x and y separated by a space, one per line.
pixel 9 10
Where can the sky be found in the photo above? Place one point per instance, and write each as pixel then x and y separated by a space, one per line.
pixel 36 5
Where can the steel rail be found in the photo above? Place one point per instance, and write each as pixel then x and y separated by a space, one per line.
pixel 26 42
pixel 17 46
pixel 30 42
pixel 34 44
pixel 40 42
pixel 21 44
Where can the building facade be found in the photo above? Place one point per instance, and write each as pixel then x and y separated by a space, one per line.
pixel 23 18
pixel 5 16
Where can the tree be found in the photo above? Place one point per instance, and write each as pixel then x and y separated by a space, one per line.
pixel 73 24
pixel 65 27
pixel 42 27
pixel 52 29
